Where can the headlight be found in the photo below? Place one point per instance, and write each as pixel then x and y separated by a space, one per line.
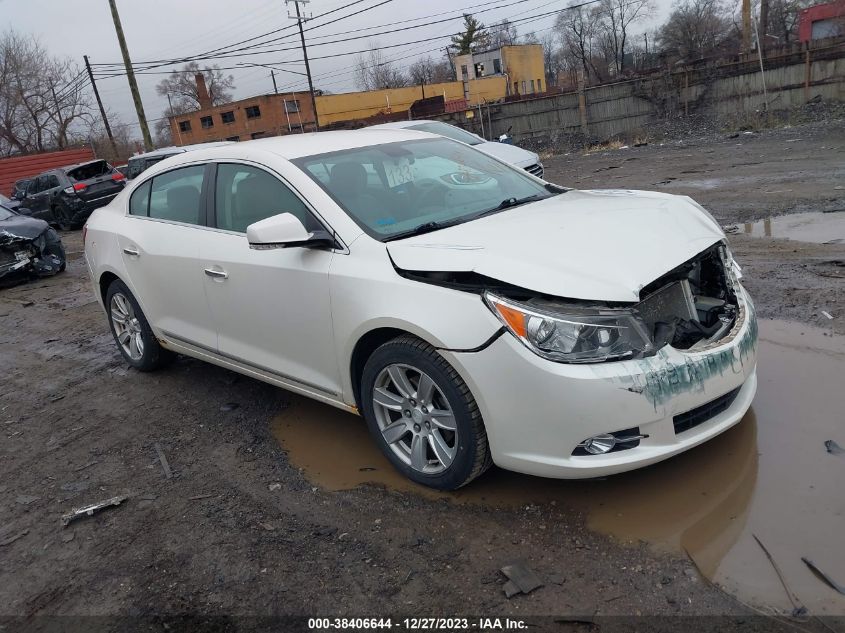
pixel 731 267
pixel 574 334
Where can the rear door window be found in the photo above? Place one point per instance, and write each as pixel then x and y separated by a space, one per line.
pixel 246 195
pixel 139 202
pixel 176 195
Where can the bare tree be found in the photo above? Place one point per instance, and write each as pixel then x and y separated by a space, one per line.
pixel 695 28
pixel 181 85
pixel 42 98
pixel 617 16
pixel 553 61
pixel 504 33
pixel 374 71
pixel 473 37
pixel 578 28
pixel 783 19
pixel 429 71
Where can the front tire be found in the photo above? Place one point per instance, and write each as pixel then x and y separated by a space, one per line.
pixel 423 416
pixel 131 331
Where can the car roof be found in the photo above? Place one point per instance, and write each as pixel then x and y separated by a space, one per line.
pixel 180 149
pixel 292 146
pixel 401 125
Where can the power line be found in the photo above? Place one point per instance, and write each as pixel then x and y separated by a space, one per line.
pixel 234 54
pixel 209 54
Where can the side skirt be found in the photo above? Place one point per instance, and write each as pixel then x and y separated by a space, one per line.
pixel 201 353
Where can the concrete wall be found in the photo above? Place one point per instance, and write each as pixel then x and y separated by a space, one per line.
pixel 631 106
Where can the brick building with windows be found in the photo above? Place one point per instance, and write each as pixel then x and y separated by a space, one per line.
pixel 255 117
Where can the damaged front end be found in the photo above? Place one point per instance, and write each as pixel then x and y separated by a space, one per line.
pixel 693 307
pixel 25 253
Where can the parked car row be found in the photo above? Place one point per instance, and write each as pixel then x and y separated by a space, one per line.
pixel 66 196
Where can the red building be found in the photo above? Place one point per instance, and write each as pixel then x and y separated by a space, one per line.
pixel 822 20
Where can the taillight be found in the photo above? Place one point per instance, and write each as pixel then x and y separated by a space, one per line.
pixel 79 186
pixel 118 177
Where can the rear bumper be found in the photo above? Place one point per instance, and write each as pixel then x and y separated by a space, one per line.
pixel 536 412
pixel 81 209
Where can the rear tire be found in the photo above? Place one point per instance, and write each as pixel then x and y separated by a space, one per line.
pixel 423 416
pixel 62 218
pixel 131 331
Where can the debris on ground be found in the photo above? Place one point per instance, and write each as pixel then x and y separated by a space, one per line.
pixel 11 539
pixel 833 448
pixel 89 510
pixel 521 579
pixel 798 609
pixel 229 406
pixel 274 486
pixel 198 497
pixel 164 465
pixel 823 576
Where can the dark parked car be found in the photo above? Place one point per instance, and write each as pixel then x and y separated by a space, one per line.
pixel 28 248
pixel 19 189
pixel 67 196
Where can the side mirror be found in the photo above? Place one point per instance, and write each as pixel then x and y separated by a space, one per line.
pixel 284 231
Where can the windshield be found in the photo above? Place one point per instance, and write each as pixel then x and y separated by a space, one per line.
pixel 392 190
pixel 449 131
pixel 5 213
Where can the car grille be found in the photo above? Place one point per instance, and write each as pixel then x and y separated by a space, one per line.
pixel 535 170
pixel 700 415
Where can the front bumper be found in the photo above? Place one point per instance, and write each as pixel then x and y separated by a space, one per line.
pixel 536 412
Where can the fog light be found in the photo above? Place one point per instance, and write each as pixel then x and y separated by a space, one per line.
pixel 599 444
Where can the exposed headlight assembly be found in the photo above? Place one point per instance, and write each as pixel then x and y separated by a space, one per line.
pixel 574 334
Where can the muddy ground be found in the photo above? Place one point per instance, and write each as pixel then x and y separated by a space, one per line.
pixel 247 524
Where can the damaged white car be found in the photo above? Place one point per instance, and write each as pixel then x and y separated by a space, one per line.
pixel 471 312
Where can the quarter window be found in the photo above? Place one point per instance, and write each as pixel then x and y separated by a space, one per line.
pixel 175 195
pixel 139 202
pixel 246 195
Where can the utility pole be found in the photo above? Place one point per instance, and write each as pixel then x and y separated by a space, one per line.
pixel 170 116
pixel 764 26
pixel 746 26
pixel 273 77
pixel 100 103
pixel 130 75
pixel 299 20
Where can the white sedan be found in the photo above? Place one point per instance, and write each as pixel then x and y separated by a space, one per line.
pixel 511 154
pixel 470 312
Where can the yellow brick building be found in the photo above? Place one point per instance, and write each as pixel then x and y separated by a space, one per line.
pixel 521 66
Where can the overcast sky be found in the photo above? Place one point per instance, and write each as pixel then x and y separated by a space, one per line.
pixel 169 29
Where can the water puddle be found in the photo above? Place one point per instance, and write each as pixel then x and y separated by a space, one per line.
pixel 819 228
pixel 769 475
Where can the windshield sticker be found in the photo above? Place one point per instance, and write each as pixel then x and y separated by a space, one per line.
pixel 398 172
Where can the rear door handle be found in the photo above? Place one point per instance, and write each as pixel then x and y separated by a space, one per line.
pixel 217 274
pixel 131 251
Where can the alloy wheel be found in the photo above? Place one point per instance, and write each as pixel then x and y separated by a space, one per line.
pixel 415 418
pixel 127 327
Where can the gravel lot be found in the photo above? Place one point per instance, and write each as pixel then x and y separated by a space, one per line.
pixel 241 529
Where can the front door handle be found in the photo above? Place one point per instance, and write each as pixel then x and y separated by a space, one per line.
pixel 217 274
pixel 131 251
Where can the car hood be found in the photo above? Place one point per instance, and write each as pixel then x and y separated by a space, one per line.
pixel 19 228
pixel 594 245
pixel 510 154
